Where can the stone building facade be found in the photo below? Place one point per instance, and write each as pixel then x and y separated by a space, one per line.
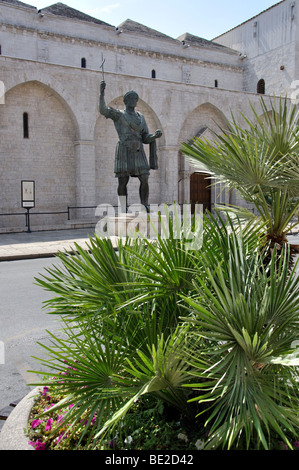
pixel 269 45
pixel 52 133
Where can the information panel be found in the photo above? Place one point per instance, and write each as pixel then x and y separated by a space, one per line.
pixel 28 193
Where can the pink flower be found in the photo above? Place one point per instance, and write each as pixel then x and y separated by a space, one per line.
pixel 112 444
pixel 49 424
pixel 285 446
pixel 93 420
pixel 48 407
pixel 35 423
pixel 45 390
pixel 38 445
pixel 59 418
pixel 296 443
pixel 60 437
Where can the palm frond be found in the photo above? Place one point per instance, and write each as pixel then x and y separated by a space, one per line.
pixel 259 160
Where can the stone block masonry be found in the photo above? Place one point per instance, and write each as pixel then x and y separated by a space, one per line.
pixel 69 149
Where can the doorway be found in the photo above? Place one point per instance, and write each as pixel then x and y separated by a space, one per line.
pixel 200 191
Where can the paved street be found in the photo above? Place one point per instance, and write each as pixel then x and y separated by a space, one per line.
pixel 23 323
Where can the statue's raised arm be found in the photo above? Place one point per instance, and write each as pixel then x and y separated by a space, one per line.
pixel 107 111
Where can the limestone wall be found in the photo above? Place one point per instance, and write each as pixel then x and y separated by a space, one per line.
pixel 268 43
pixel 69 151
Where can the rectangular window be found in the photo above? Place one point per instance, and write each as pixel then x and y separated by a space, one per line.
pixel 25 126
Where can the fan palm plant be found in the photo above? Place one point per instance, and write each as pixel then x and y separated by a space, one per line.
pixel 122 336
pixel 157 318
pixel 260 161
pixel 243 349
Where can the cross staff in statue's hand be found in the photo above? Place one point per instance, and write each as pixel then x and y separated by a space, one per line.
pixel 102 88
pixel 102 67
pixel 103 84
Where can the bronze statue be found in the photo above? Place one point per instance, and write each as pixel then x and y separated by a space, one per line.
pixel 130 158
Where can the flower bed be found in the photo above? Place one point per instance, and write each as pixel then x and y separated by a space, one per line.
pixel 148 426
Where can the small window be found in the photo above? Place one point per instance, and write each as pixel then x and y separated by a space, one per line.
pixel 216 83
pixel 0 49
pixel 83 63
pixel 25 126
pixel 153 73
pixel 261 86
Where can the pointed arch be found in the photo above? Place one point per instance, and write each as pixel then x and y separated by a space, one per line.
pixel 201 122
pixel 37 132
pixel 50 92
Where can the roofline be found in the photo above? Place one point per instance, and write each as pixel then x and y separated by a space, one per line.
pixel 97 21
pixel 21 6
pixel 247 21
pixel 150 32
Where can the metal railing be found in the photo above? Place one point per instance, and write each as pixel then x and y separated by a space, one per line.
pixel 27 213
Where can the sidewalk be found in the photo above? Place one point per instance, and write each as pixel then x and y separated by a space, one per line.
pixel 14 246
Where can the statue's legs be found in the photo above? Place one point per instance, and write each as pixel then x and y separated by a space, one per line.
pixel 122 189
pixel 144 190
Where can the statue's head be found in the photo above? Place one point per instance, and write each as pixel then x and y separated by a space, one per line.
pixel 131 94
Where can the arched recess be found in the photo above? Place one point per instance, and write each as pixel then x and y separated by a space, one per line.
pixel 105 139
pixel 261 87
pixel 200 191
pixel 200 123
pixel 47 156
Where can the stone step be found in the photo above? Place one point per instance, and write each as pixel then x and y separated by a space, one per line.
pixel 5 412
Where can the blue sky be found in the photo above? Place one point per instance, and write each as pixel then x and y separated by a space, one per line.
pixel 203 18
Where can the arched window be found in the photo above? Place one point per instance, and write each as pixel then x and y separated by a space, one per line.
pixel 153 73
pixel 25 126
pixel 83 63
pixel 261 86
pixel 216 83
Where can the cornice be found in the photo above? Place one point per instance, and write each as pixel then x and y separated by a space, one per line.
pixel 117 48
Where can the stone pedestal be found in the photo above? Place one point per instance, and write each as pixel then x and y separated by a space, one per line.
pixel 133 225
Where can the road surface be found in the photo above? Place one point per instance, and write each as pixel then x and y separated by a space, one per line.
pixel 23 322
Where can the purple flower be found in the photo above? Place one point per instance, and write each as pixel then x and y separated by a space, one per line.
pixel 38 445
pixel 285 446
pixel 112 444
pixel 60 437
pixel 49 424
pixel 59 418
pixel 48 407
pixel 93 419
pixel 35 423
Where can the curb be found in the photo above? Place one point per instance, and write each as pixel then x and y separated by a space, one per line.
pixel 12 436
pixel 28 256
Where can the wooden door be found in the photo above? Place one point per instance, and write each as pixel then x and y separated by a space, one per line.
pixel 200 191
